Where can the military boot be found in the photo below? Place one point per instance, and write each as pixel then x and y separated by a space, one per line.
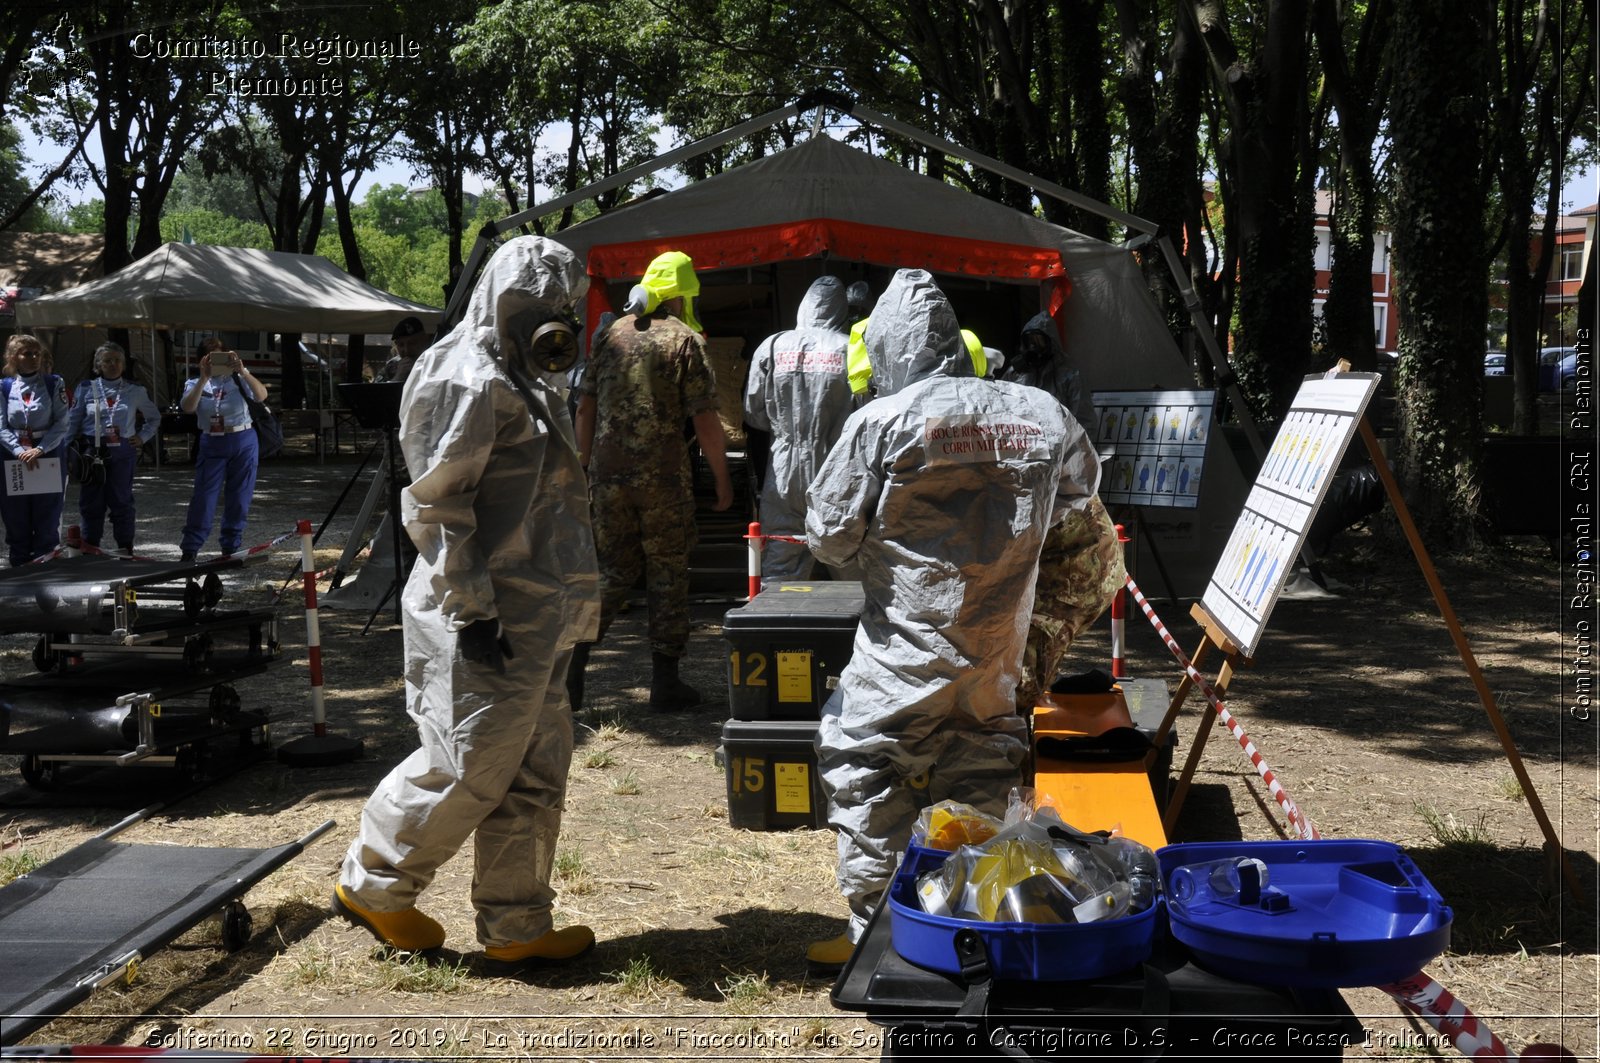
pixel 575 670
pixel 668 693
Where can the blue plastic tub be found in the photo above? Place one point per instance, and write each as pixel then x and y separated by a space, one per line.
pixel 1042 951
pixel 1356 913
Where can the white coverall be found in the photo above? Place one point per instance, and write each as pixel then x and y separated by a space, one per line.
pixel 942 488
pixel 1055 374
pixel 798 391
pixel 498 508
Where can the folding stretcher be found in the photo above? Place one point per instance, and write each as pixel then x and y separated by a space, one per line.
pixel 50 721
pixel 88 917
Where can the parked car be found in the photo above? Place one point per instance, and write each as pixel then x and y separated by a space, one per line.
pixel 1494 363
pixel 1550 359
pixel 1569 371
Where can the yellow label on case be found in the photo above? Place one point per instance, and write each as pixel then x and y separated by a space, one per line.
pixel 791 788
pixel 794 676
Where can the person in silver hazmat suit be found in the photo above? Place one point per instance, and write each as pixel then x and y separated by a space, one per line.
pixel 798 391
pixel 1040 361
pixel 504 585
pixel 942 488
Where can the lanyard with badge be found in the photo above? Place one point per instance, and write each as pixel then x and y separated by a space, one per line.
pixel 218 390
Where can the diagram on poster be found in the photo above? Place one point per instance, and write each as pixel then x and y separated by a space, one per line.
pixel 1156 445
pixel 1291 485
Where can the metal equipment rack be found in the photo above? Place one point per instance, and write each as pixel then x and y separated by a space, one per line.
pixel 152 629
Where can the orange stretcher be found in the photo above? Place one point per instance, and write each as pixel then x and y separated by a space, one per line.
pixel 1093 761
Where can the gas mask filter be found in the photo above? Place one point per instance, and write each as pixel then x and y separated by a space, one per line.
pixel 539 340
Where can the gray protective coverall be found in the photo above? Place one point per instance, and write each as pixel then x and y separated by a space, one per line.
pixel 499 510
pixel 798 391
pixel 1054 373
pixel 942 488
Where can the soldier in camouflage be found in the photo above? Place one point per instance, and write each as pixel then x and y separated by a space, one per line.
pixel 646 376
pixel 1080 569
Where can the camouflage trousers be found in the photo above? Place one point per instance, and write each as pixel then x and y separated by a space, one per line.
pixel 1080 569
pixel 645 531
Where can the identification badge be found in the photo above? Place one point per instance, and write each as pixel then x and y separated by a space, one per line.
pixel 216 422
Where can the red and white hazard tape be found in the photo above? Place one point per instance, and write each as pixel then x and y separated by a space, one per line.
pixel 1423 996
pixel 1301 824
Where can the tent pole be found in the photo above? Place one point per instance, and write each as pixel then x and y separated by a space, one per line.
pixel 1226 377
pixel 487 234
pixel 1038 184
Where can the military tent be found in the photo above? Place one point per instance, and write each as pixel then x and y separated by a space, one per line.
pixel 758 235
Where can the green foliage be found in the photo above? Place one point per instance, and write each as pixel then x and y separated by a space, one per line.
pixel 14 183
pixel 207 226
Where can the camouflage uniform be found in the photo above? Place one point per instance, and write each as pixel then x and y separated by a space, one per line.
pixel 648 375
pixel 1080 569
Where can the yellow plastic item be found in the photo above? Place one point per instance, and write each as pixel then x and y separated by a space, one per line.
pixel 952 826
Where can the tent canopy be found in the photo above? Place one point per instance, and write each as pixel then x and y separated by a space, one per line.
pixel 200 286
pixel 823 205
pixel 823 198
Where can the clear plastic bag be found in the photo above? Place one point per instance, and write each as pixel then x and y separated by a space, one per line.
pixel 948 825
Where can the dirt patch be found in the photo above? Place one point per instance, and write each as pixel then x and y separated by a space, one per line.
pixel 1359 703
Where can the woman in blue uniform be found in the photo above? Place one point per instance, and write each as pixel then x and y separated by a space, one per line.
pixel 228 453
pixel 106 413
pixel 33 427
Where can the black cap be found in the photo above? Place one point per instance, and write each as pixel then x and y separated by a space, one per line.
pixel 409 326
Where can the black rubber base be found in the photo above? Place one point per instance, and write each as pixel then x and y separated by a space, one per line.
pixel 315 751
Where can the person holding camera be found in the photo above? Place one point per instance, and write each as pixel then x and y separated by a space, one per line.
pixel 113 417
pixel 228 455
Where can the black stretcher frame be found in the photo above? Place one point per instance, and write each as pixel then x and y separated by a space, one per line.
pixel 88 917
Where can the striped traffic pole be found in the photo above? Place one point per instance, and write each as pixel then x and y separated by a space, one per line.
pixel 1119 613
pixel 319 747
pixel 1421 995
pixel 308 570
pixel 753 537
pixel 1302 825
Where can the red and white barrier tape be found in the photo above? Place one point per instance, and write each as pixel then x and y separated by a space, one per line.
pixel 1423 996
pixel 1301 824
pixel 308 567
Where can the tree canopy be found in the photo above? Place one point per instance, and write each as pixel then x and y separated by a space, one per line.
pixel 1219 120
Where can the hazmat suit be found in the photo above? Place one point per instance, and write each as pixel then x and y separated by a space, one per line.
pixel 942 488
pixel 1041 362
pixel 504 585
pixel 797 390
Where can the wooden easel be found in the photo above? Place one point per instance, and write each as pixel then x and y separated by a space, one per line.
pixel 1213 637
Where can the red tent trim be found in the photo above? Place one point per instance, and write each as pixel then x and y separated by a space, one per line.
pixel 901 248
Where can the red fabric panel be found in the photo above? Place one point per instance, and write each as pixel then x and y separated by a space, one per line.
pixel 901 248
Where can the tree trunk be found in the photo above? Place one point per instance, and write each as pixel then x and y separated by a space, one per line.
pixel 1438 130
pixel 1268 213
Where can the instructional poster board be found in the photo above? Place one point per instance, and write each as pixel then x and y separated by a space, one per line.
pixel 1155 443
pixel 1293 481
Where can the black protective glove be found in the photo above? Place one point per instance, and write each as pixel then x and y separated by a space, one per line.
pixel 482 642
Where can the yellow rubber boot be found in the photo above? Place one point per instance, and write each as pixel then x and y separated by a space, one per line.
pixel 407 930
pixel 834 952
pixel 557 946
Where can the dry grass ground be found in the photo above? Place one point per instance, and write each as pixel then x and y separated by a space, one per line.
pixel 1358 702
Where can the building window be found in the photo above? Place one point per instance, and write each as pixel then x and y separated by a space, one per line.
pixel 1380 318
pixel 1572 262
pixel 1324 259
pixel 1380 253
